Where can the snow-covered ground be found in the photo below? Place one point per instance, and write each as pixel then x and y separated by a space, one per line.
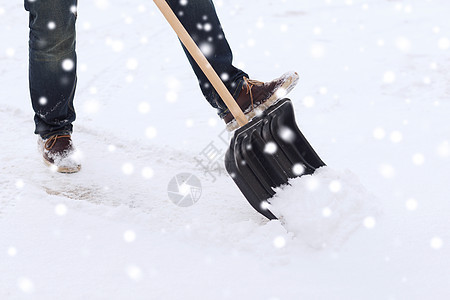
pixel 373 99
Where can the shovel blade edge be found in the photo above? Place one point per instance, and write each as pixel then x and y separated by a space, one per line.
pixel 268 151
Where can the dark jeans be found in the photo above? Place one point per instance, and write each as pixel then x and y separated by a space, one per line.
pixel 53 60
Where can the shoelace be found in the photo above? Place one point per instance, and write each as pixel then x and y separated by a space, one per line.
pixel 249 83
pixel 53 140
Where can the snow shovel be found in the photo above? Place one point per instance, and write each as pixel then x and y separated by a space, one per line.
pixel 265 152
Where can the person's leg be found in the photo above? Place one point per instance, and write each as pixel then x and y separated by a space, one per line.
pixel 200 20
pixel 52 78
pixel 52 64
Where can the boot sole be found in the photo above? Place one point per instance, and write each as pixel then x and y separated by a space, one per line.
pixel 288 85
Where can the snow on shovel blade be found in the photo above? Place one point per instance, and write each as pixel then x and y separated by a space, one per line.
pixel 267 152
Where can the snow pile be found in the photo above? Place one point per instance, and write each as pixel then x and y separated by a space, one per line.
pixel 323 209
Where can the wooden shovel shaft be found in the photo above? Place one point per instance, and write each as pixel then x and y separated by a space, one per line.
pixel 202 62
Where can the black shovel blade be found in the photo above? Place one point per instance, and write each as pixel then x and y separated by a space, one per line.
pixel 267 152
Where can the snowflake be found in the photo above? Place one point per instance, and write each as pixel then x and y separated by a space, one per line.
pixel 403 44
pixel 286 134
pixel 68 65
pixel 444 149
pixel 225 76
pixel 10 52
pixel 298 169
pixel 317 51
pixel 444 43
pixel 127 168
pixel 129 236
pixel 206 48
pixel 312 183
pixel 387 171
pixel 91 106
pixel 369 222
pixel 102 4
pixel 270 148
pixel 396 136
pixel 51 25
pixel 207 27
pixel 323 90
pixel 134 272
pixel 212 122
pixel 144 107
pixel 411 204
pixel 132 64
pixel 150 132
pixel 189 123
pixel 379 133
pixel 147 172
pixel 327 212
pixel 129 78
pixel 25 284
pixel 335 186
pixel 19 183
pixel 389 77
pixel 418 159
pixel 309 101
pixel 279 242
pixel 436 243
pixel 12 251
pixel 61 209
pixel 171 96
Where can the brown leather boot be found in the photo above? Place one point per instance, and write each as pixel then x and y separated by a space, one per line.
pixel 257 96
pixel 59 154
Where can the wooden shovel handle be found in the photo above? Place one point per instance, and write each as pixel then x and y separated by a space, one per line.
pixel 202 62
